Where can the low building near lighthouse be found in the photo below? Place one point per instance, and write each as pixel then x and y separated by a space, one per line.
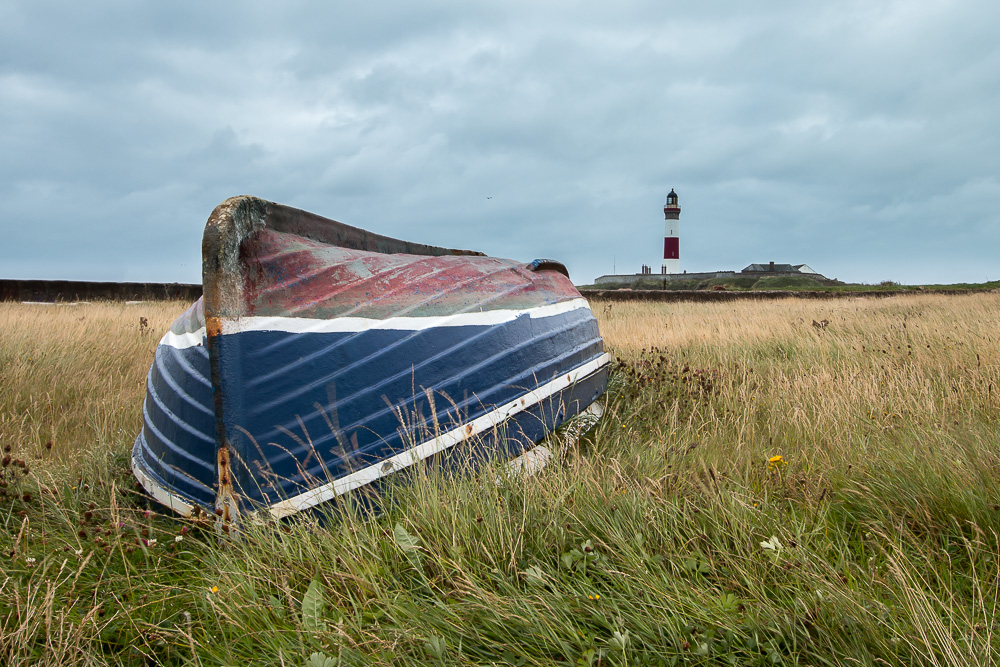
pixel 784 269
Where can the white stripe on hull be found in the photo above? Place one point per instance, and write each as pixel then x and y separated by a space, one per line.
pixel 357 324
pixel 160 494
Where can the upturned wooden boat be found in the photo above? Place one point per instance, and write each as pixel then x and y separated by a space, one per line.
pixel 322 358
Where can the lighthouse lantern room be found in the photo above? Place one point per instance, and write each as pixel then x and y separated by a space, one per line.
pixel 671 242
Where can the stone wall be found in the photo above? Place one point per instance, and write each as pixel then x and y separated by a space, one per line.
pixel 78 290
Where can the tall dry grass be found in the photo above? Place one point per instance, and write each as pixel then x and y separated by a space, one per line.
pixel 833 382
pixel 761 491
pixel 74 375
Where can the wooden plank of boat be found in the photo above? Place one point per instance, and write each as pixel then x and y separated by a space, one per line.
pixel 323 357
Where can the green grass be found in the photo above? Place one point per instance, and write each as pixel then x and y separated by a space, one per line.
pixel 794 283
pixel 991 285
pixel 667 536
pixel 732 283
pixel 788 283
pixel 657 283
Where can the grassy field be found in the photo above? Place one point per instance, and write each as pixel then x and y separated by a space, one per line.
pixel 790 482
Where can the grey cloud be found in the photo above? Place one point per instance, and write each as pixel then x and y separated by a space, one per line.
pixel 847 137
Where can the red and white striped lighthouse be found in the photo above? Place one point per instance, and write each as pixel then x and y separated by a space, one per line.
pixel 671 242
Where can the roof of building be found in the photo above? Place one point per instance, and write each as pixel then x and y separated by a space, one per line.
pixel 778 268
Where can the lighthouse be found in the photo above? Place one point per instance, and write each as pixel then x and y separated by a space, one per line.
pixel 671 244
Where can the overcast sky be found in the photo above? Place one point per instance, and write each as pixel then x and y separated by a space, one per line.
pixel 861 138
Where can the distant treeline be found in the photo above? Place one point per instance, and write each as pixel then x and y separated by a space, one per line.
pixel 79 290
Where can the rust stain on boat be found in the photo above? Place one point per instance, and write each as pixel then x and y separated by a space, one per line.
pixel 226 504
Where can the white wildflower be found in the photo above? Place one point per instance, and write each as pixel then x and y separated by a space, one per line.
pixel 772 544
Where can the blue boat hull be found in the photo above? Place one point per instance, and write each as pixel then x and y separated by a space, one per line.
pixel 288 403
pixel 289 432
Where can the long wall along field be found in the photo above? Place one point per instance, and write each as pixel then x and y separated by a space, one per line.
pixel 784 482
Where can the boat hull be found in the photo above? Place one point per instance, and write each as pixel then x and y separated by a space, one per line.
pixel 318 369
